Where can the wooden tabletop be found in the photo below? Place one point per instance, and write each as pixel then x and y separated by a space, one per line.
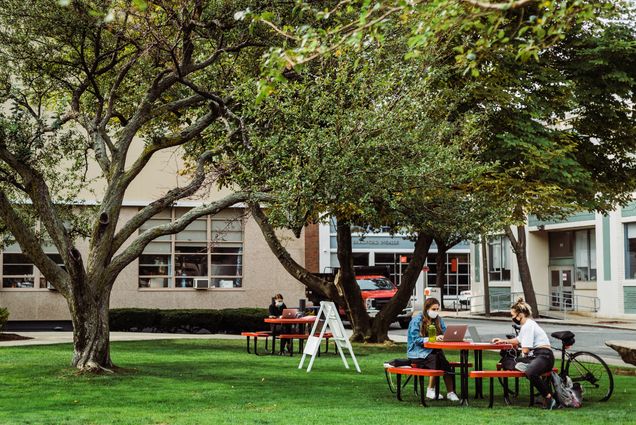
pixel 295 321
pixel 466 345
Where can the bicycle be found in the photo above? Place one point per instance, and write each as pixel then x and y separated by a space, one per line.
pixel 583 367
pixel 586 368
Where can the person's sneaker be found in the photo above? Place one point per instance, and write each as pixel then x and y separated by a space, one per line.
pixel 430 394
pixel 521 367
pixel 550 403
pixel 452 397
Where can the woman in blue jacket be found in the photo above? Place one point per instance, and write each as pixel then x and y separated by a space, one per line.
pixel 428 358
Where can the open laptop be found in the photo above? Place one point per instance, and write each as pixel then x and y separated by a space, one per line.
pixel 455 333
pixel 290 313
pixel 474 335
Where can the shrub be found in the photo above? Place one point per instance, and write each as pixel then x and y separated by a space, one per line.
pixel 231 320
pixel 4 316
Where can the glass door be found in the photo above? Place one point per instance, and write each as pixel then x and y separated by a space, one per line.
pixel 561 288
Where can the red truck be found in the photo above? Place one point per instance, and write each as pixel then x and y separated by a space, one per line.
pixel 377 290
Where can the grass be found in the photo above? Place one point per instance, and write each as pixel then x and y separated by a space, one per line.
pixel 217 382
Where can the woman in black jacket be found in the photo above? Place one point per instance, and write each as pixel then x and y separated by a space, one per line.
pixel 276 310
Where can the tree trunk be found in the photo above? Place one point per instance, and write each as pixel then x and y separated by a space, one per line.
pixel 381 323
pixel 91 339
pixel 519 248
pixel 486 280
pixel 348 286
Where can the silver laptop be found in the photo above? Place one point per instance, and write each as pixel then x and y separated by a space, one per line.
pixel 455 333
pixel 290 313
pixel 474 335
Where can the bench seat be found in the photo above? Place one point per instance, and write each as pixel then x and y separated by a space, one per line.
pixel 256 335
pixel 419 374
pixel 503 374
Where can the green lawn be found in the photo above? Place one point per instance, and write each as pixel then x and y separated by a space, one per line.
pixel 217 382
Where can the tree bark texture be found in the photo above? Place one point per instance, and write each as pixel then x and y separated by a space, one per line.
pixel 348 286
pixel 386 316
pixel 89 308
pixel 519 248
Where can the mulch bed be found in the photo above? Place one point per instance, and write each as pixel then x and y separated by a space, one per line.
pixel 12 337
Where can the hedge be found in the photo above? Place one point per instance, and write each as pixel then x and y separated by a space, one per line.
pixel 229 320
pixel 4 316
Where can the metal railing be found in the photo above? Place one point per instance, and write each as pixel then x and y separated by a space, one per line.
pixel 556 302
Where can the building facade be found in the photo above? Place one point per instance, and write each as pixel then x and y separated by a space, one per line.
pixel 377 247
pixel 219 261
pixel 585 263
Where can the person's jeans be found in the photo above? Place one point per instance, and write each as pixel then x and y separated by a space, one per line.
pixel 541 361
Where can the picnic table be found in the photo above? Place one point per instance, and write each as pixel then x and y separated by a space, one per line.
pixel 301 334
pixel 464 348
pixel 626 349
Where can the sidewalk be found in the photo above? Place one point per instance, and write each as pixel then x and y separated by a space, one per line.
pixel 60 337
pixel 570 319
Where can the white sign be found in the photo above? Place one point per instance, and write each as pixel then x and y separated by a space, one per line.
pixel 327 320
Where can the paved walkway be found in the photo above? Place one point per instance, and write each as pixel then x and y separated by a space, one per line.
pixel 57 337
pixel 570 319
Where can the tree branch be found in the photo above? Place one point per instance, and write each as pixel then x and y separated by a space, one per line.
pixel 135 249
pixel 31 246
pixel 160 204
pixel 296 270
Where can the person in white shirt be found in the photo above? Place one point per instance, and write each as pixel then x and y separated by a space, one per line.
pixel 538 357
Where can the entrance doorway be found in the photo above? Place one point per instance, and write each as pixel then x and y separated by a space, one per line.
pixel 561 288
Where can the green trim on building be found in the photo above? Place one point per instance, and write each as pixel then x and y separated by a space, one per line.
pixel 629 210
pixel 574 218
pixel 607 260
pixel 561 262
pixel 629 299
pixel 477 256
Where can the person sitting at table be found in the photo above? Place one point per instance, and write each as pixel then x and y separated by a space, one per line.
pixel 276 311
pixel 538 357
pixel 428 358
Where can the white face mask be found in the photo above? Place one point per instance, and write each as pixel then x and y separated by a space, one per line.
pixel 279 303
pixel 432 314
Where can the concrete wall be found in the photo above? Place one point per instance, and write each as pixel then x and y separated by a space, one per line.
pixel 263 276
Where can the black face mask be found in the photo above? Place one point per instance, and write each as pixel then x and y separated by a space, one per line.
pixel 516 320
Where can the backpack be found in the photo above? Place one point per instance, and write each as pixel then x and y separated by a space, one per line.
pixel 567 394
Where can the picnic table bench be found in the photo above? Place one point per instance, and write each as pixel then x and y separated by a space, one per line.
pixel 419 374
pixel 503 374
pixel 626 349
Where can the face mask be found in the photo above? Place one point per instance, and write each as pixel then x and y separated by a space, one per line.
pixel 516 320
pixel 432 314
pixel 279 303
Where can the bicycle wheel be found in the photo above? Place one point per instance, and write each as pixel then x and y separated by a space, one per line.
pixel 592 373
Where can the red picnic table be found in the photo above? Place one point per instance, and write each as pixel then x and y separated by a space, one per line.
pixel 464 347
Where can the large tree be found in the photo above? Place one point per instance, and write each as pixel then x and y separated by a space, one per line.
pixel 353 138
pixel 84 84
pixel 562 129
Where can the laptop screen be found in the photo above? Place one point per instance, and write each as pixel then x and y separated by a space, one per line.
pixel 455 333
pixel 289 313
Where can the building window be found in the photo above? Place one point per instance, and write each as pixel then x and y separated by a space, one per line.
pixel 19 272
pixel 207 253
pixel 457 272
pixel 630 251
pixel 395 262
pixel 499 258
pixel 560 244
pixel 585 255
